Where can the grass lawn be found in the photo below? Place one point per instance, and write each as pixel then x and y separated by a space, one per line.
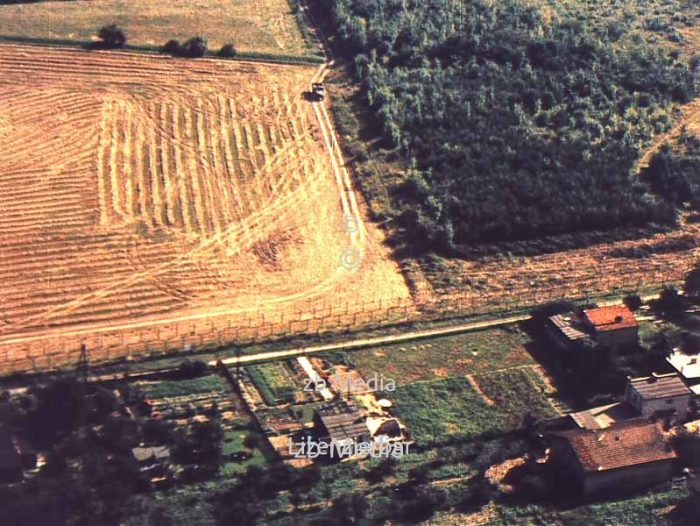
pixel 190 504
pixel 646 509
pixel 233 443
pixel 205 384
pixel 440 410
pixel 516 393
pixel 267 26
pixel 472 352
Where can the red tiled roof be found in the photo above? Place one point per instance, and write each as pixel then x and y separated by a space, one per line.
pixel 625 444
pixel 610 318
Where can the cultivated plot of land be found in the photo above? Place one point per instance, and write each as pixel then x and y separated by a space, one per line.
pixel 469 353
pixel 148 193
pixel 445 408
pixel 254 25
pixel 183 402
pixel 440 410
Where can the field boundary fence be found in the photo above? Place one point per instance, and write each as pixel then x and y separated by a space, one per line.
pixel 316 319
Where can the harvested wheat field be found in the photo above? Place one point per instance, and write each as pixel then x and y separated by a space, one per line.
pixel 253 25
pixel 153 204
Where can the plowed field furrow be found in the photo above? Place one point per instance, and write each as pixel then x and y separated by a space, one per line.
pixel 250 147
pixel 163 166
pixel 46 226
pixel 169 176
pixel 219 164
pixel 154 171
pixel 147 293
pixel 43 198
pixel 216 140
pixel 103 183
pixel 145 174
pixel 130 190
pixel 241 206
pixel 107 315
pixel 245 167
pixel 26 106
pixel 183 195
pixel 112 164
pixel 65 275
pixel 56 247
pixel 205 171
pixel 139 169
pixel 45 301
pixel 57 209
pixel 198 198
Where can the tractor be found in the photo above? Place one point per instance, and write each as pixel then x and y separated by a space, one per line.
pixel 318 91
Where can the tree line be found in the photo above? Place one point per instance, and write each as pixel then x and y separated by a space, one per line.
pixel 112 36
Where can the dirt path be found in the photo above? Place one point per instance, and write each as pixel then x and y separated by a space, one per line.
pixel 397 338
pixel 370 342
pixel 690 119
pixel 477 388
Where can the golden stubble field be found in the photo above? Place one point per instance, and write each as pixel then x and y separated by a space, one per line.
pixel 253 25
pixel 147 203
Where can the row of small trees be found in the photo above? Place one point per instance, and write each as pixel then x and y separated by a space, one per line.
pixel 112 37
pixel 196 47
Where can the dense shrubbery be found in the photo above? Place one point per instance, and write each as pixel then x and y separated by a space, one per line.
pixel 227 51
pixel 195 47
pixel 512 126
pixel 675 174
pixel 111 36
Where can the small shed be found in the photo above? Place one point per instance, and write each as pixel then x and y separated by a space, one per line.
pixel 150 455
pixel 659 395
pixel 566 330
pixel 341 422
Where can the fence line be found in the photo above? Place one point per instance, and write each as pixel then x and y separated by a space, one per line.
pixel 319 318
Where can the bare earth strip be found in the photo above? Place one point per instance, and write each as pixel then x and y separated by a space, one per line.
pixel 148 205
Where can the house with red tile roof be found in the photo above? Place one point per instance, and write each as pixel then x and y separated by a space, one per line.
pixel 607 327
pixel 626 456
pixel 613 326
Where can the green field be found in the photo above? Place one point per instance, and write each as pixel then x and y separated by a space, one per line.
pixel 265 26
pixel 647 509
pixel 517 393
pixel 273 382
pixel 165 389
pixel 441 410
pixel 233 443
pixel 468 353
